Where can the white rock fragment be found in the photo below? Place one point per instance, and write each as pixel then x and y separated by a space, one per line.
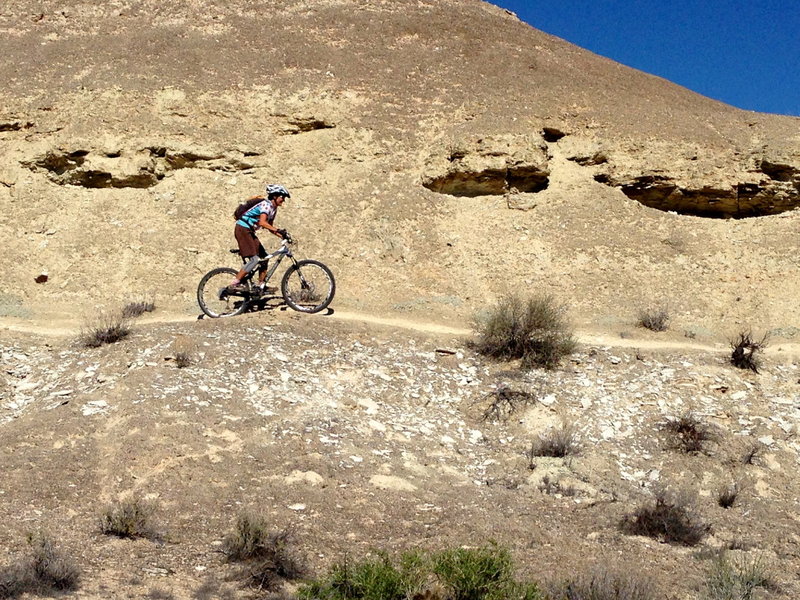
pixel 94 407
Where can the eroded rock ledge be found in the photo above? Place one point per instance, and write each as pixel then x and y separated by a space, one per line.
pixel 489 166
pixel 686 182
pixel 138 168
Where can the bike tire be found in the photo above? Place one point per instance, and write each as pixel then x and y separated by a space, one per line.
pixel 308 286
pixel 208 294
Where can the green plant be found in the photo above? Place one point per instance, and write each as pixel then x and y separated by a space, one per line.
pixel 129 518
pixel 600 583
pixel 484 573
pixel 45 570
pixel 746 351
pixel 737 579
pixel 654 319
pixel 475 573
pixel 669 519
pixel 533 330
pixel 106 328
pixel 688 433
pixel 374 578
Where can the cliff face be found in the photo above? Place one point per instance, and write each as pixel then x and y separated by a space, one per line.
pixel 415 137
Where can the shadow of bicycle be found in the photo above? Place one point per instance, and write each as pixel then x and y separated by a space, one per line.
pixel 270 303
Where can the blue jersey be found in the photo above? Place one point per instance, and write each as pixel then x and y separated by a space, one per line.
pixel 251 217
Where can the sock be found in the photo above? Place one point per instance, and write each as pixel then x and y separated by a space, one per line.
pixel 235 282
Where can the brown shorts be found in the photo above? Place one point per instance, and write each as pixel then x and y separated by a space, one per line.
pixel 248 242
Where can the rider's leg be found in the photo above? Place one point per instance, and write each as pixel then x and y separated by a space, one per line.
pixel 262 274
pixel 249 247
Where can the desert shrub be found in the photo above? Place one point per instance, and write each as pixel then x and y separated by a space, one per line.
pixel 533 330
pixel 751 452
pixel 727 495
pixel 249 538
pixel 137 308
pixel 601 583
pixel 475 573
pixel 688 433
pixel 484 573
pixel 45 570
pixel 129 518
pixel 654 319
pixel 270 555
pixel 737 579
pixel 374 578
pixel 105 328
pixel 746 351
pixel 503 402
pixel 558 442
pixel 668 519
pixel 183 360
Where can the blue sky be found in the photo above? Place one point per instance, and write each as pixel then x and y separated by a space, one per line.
pixel 743 52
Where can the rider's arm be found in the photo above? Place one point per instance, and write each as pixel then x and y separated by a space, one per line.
pixel 265 224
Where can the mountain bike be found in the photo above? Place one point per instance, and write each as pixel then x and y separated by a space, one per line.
pixel 307 286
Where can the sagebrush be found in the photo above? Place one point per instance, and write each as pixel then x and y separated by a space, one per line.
pixel 654 319
pixel 270 556
pixel 44 571
pixel 129 518
pixel 532 329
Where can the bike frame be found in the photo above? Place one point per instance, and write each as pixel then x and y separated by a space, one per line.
pixel 278 255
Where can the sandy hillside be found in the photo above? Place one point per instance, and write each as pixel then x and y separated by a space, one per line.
pixel 440 154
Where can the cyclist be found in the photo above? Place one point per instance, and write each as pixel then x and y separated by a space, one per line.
pixel 259 216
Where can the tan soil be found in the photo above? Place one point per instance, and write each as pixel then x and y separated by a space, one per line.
pixel 130 130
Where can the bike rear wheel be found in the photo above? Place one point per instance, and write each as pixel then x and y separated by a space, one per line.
pixel 214 301
pixel 308 286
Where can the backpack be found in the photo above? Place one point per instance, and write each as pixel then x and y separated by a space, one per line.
pixel 245 206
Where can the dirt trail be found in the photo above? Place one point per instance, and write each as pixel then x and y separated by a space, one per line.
pixel 64 326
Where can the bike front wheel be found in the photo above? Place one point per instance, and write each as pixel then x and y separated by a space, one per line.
pixel 308 286
pixel 214 300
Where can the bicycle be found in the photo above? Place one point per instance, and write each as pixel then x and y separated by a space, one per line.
pixel 307 286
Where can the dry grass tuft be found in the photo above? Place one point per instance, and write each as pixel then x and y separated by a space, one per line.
pixel 106 328
pixel 557 442
pixel 601 583
pixel 137 308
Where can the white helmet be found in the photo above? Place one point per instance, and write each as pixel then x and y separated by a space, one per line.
pixel 273 189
